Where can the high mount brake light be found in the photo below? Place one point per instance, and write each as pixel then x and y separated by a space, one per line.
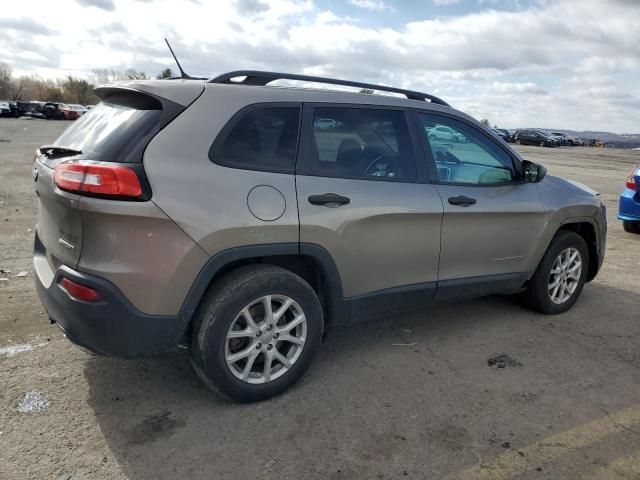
pixel 631 179
pixel 98 179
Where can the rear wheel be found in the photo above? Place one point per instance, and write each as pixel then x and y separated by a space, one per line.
pixel 631 226
pixel 256 333
pixel 560 277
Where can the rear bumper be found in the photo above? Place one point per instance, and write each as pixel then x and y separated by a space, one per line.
pixel 112 326
pixel 629 208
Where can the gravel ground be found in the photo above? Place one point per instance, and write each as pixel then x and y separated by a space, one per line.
pixel 484 389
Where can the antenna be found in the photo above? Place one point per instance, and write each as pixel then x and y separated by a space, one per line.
pixel 183 74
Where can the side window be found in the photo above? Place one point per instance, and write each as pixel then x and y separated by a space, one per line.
pixel 464 155
pixel 360 143
pixel 263 138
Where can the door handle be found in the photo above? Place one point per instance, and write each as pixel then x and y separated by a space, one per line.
pixel 462 201
pixel 329 198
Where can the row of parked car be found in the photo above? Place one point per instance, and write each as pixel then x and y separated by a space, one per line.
pixel 542 138
pixel 46 110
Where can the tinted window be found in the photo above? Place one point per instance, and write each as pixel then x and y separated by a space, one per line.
pixel 263 138
pixel 361 143
pixel 115 130
pixel 464 155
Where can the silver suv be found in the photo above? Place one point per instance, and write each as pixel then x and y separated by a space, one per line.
pixel 242 220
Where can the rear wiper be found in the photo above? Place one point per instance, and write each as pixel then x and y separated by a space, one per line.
pixel 52 151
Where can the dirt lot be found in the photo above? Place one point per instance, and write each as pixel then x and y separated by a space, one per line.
pixel 565 405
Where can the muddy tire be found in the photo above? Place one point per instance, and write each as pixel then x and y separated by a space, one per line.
pixel 256 333
pixel 560 276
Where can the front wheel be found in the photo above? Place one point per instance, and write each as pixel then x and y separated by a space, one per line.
pixel 631 226
pixel 561 275
pixel 256 333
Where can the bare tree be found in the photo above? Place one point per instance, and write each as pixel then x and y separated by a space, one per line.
pixel 485 122
pixel 132 74
pixel 6 81
pixel 166 73
pixel 77 90
pixel 105 75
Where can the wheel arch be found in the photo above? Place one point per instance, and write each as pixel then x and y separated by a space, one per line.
pixel 310 261
pixel 586 228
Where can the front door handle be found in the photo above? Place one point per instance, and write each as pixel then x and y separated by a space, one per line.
pixel 462 201
pixel 329 199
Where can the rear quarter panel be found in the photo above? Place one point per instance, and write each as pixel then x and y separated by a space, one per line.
pixel 209 201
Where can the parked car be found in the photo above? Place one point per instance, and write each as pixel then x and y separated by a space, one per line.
pixel 534 137
pixel 271 229
pixel 443 133
pixel 629 209
pixel 568 139
pixel 507 133
pixel 557 138
pixel 81 109
pixel 70 113
pixel 5 109
pixel 501 134
pixel 53 111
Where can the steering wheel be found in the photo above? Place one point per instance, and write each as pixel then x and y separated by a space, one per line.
pixel 382 163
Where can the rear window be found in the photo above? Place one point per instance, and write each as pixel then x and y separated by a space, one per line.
pixel 116 130
pixel 262 138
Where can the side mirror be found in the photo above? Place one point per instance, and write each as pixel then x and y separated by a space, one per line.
pixel 532 172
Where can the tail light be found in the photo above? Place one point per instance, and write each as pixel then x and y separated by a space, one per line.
pixel 77 291
pixel 96 178
pixel 631 179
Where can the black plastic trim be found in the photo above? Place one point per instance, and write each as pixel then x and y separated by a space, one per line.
pixel 391 301
pixel 257 77
pixel 479 286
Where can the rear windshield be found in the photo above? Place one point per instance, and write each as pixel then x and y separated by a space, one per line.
pixel 116 130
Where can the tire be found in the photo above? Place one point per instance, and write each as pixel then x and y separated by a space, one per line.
pixel 542 144
pixel 223 309
pixel 538 293
pixel 518 141
pixel 631 227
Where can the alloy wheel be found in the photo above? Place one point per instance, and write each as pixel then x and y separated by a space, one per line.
pixel 265 339
pixel 565 275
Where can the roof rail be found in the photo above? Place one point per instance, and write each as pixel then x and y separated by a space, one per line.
pixel 256 77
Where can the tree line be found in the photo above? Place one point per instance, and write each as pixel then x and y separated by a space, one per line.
pixel 67 90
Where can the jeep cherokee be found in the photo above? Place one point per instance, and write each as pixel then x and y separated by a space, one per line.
pixel 241 220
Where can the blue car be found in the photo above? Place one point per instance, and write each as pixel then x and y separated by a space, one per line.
pixel 629 211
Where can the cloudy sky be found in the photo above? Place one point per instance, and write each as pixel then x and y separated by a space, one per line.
pixel 555 63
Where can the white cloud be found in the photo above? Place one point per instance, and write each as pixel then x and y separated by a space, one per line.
pixel 108 5
pixel 444 3
pixel 374 5
pixel 553 62
pixel 518 87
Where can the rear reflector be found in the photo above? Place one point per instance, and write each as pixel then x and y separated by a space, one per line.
pixel 631 179
pixel 98 179
pixel 79 292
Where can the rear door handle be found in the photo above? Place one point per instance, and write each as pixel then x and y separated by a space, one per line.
pixel 328 199
pixel 462 201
